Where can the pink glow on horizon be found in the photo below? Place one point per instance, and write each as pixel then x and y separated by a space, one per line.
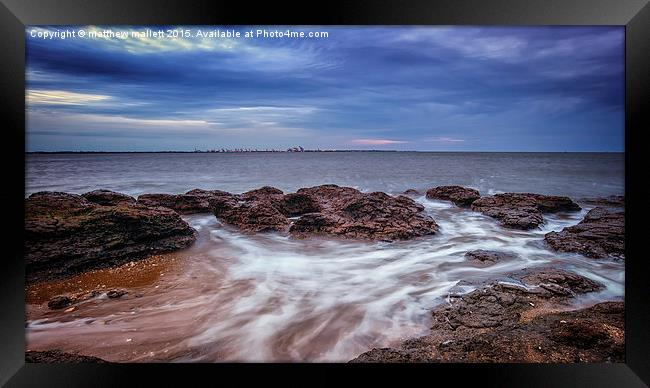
pixel 376 142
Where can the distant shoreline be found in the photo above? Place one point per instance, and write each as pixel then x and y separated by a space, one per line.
pixel 319 151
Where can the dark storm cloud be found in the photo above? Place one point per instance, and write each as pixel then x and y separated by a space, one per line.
pixel 422 88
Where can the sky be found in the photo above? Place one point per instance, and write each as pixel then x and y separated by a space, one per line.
pixel 415 88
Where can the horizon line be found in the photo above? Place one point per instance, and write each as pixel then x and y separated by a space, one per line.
pixel 305 151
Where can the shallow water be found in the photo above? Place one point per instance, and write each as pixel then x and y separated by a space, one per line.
pixel 270 298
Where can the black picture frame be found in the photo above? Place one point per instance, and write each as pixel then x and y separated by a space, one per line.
pixel 633 14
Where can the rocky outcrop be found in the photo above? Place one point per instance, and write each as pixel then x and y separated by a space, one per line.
pixel 522 210
pixel 116 293
pixel 460 196
pixel 60 302
pixel 347 212
pixel 600 234
pixel 526 319
pixel 411 193
pixel 483 258
pixel 108 197
pixel 613 201
pixel 249 216
pixel 66 234
pixel 297 204
pixel 331 197
pixel 325 210
pixel 194 201
pixel 265 193
pixel 57 356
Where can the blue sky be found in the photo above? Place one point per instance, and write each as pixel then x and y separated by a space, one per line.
pixel 402 88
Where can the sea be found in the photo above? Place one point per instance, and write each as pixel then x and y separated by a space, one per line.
pixel 268 297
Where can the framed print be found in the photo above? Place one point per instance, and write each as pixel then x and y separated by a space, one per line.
pixel 454 187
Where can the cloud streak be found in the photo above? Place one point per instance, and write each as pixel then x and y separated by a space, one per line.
pixel 376 142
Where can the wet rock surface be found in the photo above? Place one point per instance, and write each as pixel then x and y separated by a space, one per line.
pixel 67 234
pixel 108 197
pixel 485 258
pixel 57 356
pixel 352 214
pixel 613 201
pixel 411 193
pixel 460 196
pixel 526 319
pixel 522 210
pixel 194 201
pixel 116 293
pixel 297 204
pixel 325 210
pixel 60 302
pixel 600 234
pixel 249 216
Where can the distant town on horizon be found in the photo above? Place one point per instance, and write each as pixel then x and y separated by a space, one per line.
pixel 298 149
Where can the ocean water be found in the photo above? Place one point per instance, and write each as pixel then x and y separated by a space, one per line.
pixel 573 174
pixel 267 297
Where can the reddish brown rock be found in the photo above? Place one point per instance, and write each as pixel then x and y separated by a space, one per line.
pixel 525 322
pixel 460 196
pixel 613 201
pixel 66 234
pixel 296 204
pixel 411 193
pixel 249 216
pixel 374 216
pixel 116 293
pixel 600 234
pixel 325 210
pixel 522 210
pixel 485 258
pixel 60 302
pixel 194 201
pixel 266 193
pixel 331 197
pixel 108 197
pixel 57 356
pixel 554 204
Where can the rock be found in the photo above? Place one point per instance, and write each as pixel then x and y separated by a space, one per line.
pixel 108 197
pixel 155 200
pixel 485 258
pixel 411 193
pixel 600 234
pixel 507 324
pixel 388 355
pixel 499 304
pixel 66 234
pixel 582 330
pixel 522 210
pixel 328 210
pixel 266 193
pixel 613 201
pixel 554 204
pixel 116 293
pixel 254 216
pixel 57 356
pixel 296 204
pixel 194 201
pixel 461 196
pixel 331 197
pixel 60 302
pixel 374 216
